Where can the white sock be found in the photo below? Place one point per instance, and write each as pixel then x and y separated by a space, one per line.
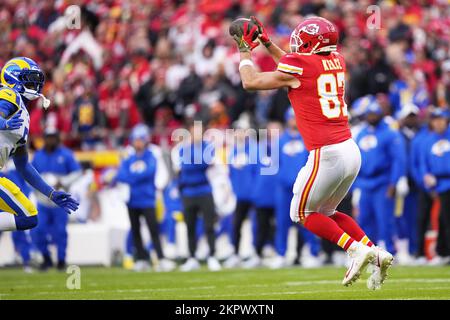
pixel 7 222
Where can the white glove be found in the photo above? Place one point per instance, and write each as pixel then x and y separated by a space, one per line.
pixel 402 188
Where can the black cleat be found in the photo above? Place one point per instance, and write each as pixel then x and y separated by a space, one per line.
pixel 46 264
pixel 61 266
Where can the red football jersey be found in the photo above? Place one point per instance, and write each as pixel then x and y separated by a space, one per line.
pixel 320 109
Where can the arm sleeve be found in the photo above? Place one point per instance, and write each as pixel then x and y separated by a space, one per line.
pixel 29 173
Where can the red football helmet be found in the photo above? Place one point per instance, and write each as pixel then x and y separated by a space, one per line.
pixel 314 35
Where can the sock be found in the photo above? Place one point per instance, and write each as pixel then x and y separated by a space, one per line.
pixel 7 222
pixel 327 228
pixel 349 225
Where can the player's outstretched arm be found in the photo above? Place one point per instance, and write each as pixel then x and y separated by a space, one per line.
pixel 29 173
pixel 254 80
pixel 275 51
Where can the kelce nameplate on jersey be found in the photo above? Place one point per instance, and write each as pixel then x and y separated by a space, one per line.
pixel 334 64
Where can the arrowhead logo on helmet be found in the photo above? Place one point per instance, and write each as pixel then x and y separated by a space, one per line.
pixel 314 35
pixel 311 29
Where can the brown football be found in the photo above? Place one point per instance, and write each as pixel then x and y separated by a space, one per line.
pixel 237 27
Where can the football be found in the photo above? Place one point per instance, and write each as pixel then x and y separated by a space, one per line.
pixel 237 27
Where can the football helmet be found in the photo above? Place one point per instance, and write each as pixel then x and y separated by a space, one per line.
pixel 24 76
pixel 314 35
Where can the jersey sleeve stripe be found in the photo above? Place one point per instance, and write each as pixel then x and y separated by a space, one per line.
pixel 290 69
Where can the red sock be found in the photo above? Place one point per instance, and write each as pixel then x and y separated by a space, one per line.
pixel 326 228
pixel 349 225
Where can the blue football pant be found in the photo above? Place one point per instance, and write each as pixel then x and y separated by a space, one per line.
pixel 407 222
pixel 283 197
pixel 52 228
pixel 376 216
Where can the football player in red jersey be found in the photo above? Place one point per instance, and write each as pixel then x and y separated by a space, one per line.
pixel 314 73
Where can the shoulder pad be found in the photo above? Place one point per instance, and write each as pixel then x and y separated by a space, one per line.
pixel 10 96
pixel 290 63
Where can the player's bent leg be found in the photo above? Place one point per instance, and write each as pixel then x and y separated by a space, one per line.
pixel 349 225
pixel 327 228
pixel 17 211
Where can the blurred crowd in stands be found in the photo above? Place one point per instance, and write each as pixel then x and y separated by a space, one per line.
pixel 161 62
pixel 164 63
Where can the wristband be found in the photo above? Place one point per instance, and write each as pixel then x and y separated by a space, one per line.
pixel 267 44
pixel 245 62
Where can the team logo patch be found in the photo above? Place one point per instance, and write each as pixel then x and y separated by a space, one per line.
pixel 368 142
pixel 311 29
pixel 293 147
pixel 440 147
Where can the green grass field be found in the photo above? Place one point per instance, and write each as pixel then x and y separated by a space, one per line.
pixel 292 283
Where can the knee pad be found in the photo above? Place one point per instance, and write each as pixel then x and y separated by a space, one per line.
pixel 25 223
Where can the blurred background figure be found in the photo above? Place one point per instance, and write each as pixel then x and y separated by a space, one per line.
pixel 292 156
pixel 267 166
pixel 191 159
pixel 436 169
pixel 383 166
pixel 243 172
pixel 145 172
pixel 406 209
pixel 60 169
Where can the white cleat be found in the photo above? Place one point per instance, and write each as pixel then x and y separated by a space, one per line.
pixel 311 262
pixel 165 265
pixel 141 266
pixel 361 256
pixel 190 265
pixel 232 262
pixel 277 262
pixel 253 262
pixel 439 261
pixel 383 261
pixel 213 264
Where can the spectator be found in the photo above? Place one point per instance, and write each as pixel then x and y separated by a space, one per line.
pixel 436 169
pixel 191 159
pixel 243 173
pixel 293 156
pixel 58 166
pixel 144 171
pixel 383 165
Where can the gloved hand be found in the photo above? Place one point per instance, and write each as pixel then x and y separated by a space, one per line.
pixel 429 180
pixel 244 32
pixel 64 200
pixel 263 35
pixel 402 188
pixel 12 123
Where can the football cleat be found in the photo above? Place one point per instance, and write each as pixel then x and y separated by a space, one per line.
pixel 141 266
pixel 277 262
pixel 213 264
pixel 361 256
pixel 383 260
pixel 165 265
pixel 233 261
pixel 253 262
pixel 190 265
